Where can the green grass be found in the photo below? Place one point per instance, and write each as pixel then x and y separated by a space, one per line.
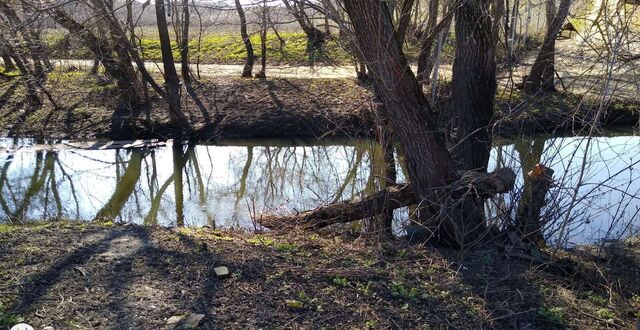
pixel 213 48
pixel 228 48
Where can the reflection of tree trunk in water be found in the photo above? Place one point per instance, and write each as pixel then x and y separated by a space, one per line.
pixel 152 217
pixel 124 189
pixel 72 187
pixel 384 167
pixel 51 157
pixel 537 181
pixel 243 179
pixel 37 182
pixel 178 162
pixel 3 178
pixel 351 175
pixel 211 221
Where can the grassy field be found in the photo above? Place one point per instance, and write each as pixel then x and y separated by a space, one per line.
pixel 213 48
pixel 226 48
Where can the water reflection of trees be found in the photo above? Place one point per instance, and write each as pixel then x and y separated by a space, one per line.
pixel 216 185
pixel 131 185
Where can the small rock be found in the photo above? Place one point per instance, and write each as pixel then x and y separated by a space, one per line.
pixel 175 319
pixel 221 272
pixel 48 328
pixel 192 321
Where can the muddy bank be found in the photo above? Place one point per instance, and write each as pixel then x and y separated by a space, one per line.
pixel 109 276
pixel 217 108
pixel 227 107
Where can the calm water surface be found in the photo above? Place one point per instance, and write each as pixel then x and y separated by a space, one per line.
pixel 223 185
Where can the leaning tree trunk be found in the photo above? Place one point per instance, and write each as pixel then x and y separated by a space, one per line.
pixel 123 73
pixel 405 19
pixel 171 79
pixel 248 65
pixel 543 67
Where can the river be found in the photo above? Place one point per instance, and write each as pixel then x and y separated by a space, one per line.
pixel 228 183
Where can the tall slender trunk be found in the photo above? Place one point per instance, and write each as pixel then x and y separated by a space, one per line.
pixel 497 11
pixel 427 57
pixel 130 24
pixel 171 79
pixel 263 42
pixel 248 65
pixel 184 44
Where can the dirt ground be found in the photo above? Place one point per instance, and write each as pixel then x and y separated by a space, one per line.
pixel 89 276
pixel 230 107
pixel 218 107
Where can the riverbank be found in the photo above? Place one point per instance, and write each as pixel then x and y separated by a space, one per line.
pixel 66 274
pixel 231 107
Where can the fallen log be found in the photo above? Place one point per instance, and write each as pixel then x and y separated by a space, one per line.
pixel 480 185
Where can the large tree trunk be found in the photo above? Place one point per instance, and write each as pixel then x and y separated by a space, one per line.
pixel 473 90
pixel 171 79
pixel 542 71
pixel 474 86
pixel 248 65
pixel 430 166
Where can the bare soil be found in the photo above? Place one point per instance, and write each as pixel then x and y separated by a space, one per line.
pixel 217 108
pixel 76 275
pixel 229 107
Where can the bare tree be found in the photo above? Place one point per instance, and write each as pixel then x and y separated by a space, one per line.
pixel 248 66
pixel 543 69
pixel 171 79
